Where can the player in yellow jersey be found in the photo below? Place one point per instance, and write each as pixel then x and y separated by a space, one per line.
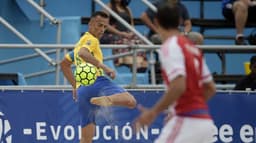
pixel 103 91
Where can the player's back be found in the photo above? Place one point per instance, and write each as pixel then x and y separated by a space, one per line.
pixel 191 66
pixel 192 102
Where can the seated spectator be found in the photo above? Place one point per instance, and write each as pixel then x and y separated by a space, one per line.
pixel 185 22
pixel 249 81
pixel 240 12
pixel 117 33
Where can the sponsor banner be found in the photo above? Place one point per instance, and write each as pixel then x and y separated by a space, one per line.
pixel 52 117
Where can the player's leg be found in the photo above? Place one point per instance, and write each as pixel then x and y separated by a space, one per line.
pixel 112 95
pixel 87 113
pixel 170 131
pixel 87 133
pixel 182 130
pixel 121 99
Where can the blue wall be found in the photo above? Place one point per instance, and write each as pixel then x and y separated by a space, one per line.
pixel 53 118
pixel 25 19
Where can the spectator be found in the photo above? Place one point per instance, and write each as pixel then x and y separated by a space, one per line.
pixel 249 81
pixel 240 12
pixel 185 22
pixel 117 33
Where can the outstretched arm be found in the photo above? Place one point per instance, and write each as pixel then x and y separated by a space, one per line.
pixel 174 91
pixel 85 54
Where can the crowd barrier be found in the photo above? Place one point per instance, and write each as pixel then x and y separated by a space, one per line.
pixel 51 116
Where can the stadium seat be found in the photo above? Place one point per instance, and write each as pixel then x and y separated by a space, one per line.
pixel 12 79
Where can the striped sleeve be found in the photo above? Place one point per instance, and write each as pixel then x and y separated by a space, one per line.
pixel 70 56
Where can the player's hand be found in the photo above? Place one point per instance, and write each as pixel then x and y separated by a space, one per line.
pixel 168 117
pixel 74 95
pixel 110 72
pixel 146 117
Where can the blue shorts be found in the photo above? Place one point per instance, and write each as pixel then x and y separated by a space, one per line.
pixel 102 87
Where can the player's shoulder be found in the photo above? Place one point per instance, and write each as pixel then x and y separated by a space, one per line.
pixel 89 39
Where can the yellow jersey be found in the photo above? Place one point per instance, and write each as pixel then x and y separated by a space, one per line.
pixel 92 44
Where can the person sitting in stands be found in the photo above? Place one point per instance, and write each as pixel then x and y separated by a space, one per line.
pixel 240 12
pixel 185 22
pixel 117 33
pixel 249 81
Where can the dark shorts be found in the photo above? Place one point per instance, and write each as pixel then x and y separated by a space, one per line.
pixel 102 87
pixel 228 14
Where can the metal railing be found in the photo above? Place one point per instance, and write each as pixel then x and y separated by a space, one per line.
pixel 26 40
pixel 143 38
pixel 55 21
pixel 205 49
pixel 135 48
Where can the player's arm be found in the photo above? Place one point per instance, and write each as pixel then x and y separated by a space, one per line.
pixel 85 54
pixel 174 72
pixel 67 71
pixel 209 90
pixel 174 91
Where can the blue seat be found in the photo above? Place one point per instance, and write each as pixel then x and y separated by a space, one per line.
pixel 12 79
pixel 124 75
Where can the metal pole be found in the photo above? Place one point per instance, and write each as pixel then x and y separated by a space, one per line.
pixel 150 5
pixel 121 20
pixel 205 48
pixel 21 36
pixel 65 80
pixel 152 59
pixel 134 67
pixel 20 58
pixel 45 13
pixel 152 65
pixel 58 53
pixel 42 4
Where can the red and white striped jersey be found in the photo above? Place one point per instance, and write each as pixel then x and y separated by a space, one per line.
pixel 180 57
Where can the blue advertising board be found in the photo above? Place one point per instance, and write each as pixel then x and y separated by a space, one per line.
pixel 51 116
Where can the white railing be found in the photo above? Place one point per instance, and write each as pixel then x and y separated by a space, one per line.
pixel 58 35
pixel 143 38
pixel 53 20
pixel 225 88
pixel 205 48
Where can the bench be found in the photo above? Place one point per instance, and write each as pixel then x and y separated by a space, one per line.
pixel 204 24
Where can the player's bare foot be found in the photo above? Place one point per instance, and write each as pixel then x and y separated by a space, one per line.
pixel 101 101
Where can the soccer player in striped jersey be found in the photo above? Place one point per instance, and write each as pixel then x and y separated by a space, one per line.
pixel 189 84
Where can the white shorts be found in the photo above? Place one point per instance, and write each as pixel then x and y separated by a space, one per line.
pixel 187 130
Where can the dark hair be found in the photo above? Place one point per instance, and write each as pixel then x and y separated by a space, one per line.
pixel 123 4
pixel 100 13
pixel 168 15
pixel 252 37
